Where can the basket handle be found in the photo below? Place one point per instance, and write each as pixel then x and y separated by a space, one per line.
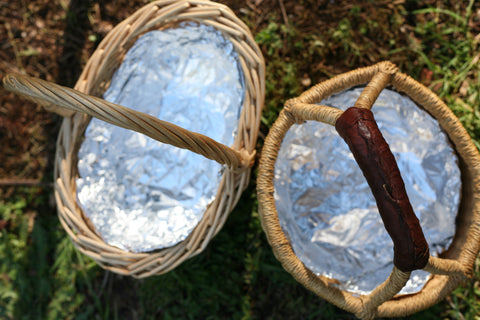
pixel 47 93
pixel 357 126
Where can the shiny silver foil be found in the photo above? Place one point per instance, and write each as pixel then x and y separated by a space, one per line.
pixel 141 194
pixel 326 207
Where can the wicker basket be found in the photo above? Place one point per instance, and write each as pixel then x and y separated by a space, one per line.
pixel 456 264
pixel 77 106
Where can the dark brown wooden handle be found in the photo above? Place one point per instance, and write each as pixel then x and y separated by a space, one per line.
pixel 359 129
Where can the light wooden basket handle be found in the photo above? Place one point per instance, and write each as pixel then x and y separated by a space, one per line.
pixel 47 93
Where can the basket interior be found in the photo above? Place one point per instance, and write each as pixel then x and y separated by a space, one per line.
pixel 141 194
pixel 327 210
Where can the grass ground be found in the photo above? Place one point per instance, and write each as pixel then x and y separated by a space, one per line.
pixel 304 42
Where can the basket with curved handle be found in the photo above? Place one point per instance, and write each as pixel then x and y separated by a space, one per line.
pixel 358 128
pixel 77 106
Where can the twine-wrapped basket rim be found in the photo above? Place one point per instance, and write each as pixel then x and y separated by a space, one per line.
pixel 450 270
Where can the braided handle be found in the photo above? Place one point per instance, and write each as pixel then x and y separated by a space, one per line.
pixel 44 92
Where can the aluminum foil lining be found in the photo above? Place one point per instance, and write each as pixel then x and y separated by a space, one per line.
pixel 327 210
pixel 141 194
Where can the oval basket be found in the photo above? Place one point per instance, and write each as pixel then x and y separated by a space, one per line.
pixel 455 265
pixel 79 105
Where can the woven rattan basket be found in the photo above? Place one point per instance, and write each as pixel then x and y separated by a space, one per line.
pixel 77 106
pixel 455 265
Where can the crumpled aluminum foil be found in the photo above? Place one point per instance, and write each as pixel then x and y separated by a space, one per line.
pixel 141 194
pixel 327 210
